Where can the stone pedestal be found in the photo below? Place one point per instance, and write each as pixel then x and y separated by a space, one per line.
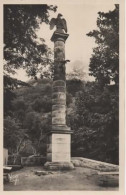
pixel 58 148
pixel 59 138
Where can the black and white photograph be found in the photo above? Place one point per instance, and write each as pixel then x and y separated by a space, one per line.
pixel 63 69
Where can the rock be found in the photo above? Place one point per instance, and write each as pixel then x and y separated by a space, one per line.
pixel 58 166
pixel 50 172
pixel 16 167
pixel 39 173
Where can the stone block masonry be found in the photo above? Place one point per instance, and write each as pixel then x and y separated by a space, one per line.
pixel 59 137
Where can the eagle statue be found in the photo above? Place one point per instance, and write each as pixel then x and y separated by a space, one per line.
pixel 60 24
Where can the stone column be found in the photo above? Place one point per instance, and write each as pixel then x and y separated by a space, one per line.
pixel 59 138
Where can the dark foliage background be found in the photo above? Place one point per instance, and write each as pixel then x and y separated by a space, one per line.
pixel 92 107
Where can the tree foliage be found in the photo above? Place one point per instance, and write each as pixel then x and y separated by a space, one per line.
pixel 14 136
pixel 92 114
pixel 9 85
pixel 95 123
pixel 92 107
pixel 31 115
pixel 104 63
pixel 74 85
pixel 78 71
pixel 22 47
pixel 95 119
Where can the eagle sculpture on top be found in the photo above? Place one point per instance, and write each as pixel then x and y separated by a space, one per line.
pixel 60 24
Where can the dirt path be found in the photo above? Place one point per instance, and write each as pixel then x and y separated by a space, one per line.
pixel 79 179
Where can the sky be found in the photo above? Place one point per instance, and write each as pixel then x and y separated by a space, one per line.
pixel 81 19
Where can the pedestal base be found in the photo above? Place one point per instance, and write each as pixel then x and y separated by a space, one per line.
pixel 59 147
pixel 58 166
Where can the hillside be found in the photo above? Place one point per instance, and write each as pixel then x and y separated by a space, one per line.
pixel 92 114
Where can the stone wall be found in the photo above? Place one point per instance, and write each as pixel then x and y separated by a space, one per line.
pixel 33 161
pixel 93 164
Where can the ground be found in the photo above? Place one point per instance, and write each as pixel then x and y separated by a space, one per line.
pixel 78 179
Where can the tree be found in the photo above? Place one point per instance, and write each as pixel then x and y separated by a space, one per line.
pixel 78 71
pixel 22 48
pixel 9 95
pixel 14 135
pixel 74 85
pixel 104 63
pixel 32 113
pixel 94 119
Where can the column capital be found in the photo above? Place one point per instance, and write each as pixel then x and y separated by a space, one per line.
pixel 58 36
